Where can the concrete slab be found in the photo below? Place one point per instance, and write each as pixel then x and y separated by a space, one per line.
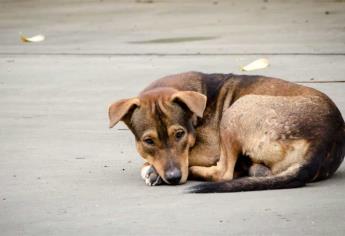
pixel 63 172
pixel 210 26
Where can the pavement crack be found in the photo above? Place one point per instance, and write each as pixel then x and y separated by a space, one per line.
pixel 165 54
pixel 320 82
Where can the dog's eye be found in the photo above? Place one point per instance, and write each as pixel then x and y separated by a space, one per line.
pixel 179 134
pixel 149 141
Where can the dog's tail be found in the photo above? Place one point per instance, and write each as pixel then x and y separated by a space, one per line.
pixel 289 179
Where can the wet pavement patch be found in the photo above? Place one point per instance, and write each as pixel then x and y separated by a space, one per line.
pixel 173 40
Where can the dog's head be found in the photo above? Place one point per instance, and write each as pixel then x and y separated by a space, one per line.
pixel 162 121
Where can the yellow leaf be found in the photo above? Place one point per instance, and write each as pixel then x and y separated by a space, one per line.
pixel 256 65
pixel 33 39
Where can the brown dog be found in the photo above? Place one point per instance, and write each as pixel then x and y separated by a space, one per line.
pixel 219 127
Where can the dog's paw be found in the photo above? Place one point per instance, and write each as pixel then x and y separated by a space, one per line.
pixel 150 175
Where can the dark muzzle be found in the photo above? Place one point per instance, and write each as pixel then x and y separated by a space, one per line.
pixel 173 176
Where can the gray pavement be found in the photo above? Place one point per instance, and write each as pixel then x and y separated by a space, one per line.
pixel 63 172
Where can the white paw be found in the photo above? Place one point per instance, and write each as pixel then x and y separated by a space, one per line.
pixel 150 175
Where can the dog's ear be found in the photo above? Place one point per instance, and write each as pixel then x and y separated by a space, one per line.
pixel 118 110
pixel 196 102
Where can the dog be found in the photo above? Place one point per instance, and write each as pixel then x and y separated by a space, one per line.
pixel 240 132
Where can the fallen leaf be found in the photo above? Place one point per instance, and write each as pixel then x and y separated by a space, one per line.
pixel 256 65
pixel 33 39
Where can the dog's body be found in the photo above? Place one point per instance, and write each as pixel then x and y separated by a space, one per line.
pixel 219 127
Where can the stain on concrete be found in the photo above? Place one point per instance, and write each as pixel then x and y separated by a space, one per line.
pixel 174 40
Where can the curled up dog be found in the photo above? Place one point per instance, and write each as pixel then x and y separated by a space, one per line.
pixel 241 133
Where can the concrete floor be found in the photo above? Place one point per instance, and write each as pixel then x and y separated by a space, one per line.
pixel 63 172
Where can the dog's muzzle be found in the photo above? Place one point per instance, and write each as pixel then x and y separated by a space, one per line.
pixel 173 176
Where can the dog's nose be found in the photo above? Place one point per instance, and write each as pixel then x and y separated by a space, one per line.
pixel 173 175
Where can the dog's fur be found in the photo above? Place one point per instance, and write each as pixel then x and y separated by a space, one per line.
pixel 242 132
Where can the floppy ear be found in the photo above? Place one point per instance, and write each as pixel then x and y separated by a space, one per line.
pixel 119 109
pixel 196 102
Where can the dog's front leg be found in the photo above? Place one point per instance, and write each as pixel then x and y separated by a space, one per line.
pixel 229 151
pixel 150 175
pixel 223 170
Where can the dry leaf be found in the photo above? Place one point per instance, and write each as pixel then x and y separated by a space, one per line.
pixel 256 65
pixel 33 39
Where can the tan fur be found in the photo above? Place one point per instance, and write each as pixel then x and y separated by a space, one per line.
pixel 259 126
